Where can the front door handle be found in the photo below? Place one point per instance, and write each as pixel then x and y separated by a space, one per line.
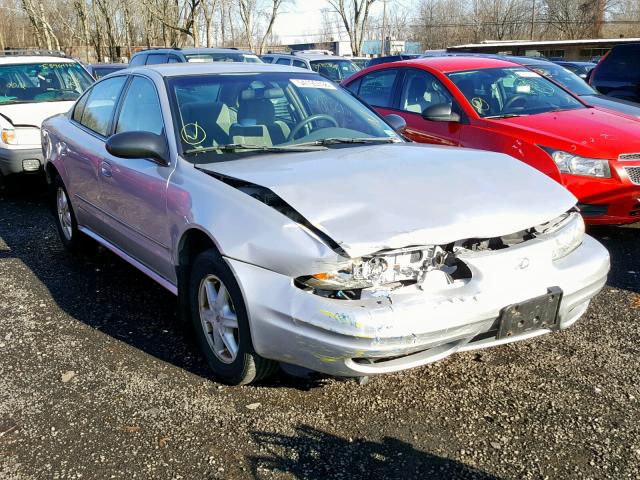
pixel 105 169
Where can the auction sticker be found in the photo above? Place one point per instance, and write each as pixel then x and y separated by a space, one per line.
pixel 526 74
pixel 298 82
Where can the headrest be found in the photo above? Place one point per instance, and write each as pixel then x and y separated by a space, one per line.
pixel 267 93
pixel 417 87
pixel 202 109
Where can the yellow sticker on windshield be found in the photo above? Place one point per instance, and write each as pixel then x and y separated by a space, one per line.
pixel 193 134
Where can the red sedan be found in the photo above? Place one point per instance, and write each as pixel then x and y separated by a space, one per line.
pixel 497 105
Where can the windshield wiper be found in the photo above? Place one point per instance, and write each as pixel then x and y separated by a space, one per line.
pixel 508 115
pixel 334 141
pixel 234 147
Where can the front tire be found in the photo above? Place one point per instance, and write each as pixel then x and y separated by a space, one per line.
pixel 221 323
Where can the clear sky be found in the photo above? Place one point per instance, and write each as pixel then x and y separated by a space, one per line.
pixel 300 21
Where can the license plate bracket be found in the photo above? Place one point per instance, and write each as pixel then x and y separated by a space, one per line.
pixel 533 314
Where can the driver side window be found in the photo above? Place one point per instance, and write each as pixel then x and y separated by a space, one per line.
pixel 141 110
pixel 421 90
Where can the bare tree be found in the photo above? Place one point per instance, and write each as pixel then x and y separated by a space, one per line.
pixel 577 18
pixel 354 15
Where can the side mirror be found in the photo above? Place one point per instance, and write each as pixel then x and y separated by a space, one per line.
pixel 397 122
pixel 440 112
pixel 138 145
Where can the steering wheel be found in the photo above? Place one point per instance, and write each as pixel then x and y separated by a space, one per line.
pixel 542 89
pixel 306 121
pixel 513 100
pixel 480 104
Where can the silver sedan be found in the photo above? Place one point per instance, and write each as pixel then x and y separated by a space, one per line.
pixel 296 226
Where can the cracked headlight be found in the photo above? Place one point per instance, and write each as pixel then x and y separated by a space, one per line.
pixel 568 236
pixel 389 268
pixel 340 280
pixel 576 165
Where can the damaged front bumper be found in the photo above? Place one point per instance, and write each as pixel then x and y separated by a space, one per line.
pixel 410 327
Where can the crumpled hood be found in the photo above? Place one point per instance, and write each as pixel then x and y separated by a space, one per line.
pixel 375 197
pixel 33 113
pixel 585 131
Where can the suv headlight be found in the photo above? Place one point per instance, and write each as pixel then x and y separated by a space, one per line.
pixel 568 236
pixel 8 136
pixel 576 165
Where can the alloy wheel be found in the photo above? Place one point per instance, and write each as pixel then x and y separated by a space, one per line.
pixel 64 213
pixel 218 319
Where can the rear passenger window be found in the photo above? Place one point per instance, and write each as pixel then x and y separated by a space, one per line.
pixel 101 103
pixel 299 63
pixel 79 108
pixel 173 59
pixel 377 87
pixel 283 61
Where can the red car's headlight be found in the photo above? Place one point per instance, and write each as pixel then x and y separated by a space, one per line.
pixel 576 165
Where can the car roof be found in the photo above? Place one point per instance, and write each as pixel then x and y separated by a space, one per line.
pixel 455 63
pixel 314 56
pixel 527 60
pixel 194 51
pixel 21 59
pixel 100 65
pixel 182 69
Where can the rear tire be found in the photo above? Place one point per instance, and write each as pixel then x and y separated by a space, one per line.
pixel 73 240
pixel 221 323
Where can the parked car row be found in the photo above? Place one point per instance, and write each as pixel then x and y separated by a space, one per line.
pixel 300 222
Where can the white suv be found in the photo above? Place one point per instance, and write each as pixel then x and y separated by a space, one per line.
pixel 329 66
pixel 33 87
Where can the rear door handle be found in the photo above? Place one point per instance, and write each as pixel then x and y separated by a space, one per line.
pixel 105 169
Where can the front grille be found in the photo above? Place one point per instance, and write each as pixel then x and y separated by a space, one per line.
pixel 629 156
pixel 634 174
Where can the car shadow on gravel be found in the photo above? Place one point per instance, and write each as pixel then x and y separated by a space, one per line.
pixel 625 263
pixel 312 453
pixel 96 288
pixel 104 292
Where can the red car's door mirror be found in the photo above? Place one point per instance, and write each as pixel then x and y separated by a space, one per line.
pixel 440 112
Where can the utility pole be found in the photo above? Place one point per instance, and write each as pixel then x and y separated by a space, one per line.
pixel 533 19
pixel 383 49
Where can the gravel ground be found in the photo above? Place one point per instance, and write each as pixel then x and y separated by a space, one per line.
pixel 97 380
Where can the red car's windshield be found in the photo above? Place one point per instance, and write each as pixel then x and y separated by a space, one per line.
pixel 506 92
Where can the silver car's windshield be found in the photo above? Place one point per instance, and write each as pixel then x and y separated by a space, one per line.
pixel 507 92
pixel 42 82
pixel 220 116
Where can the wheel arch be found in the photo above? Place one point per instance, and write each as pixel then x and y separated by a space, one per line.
pixel 191 243
pixel 51 172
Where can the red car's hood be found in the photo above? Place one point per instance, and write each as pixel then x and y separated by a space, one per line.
pixel 586 131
